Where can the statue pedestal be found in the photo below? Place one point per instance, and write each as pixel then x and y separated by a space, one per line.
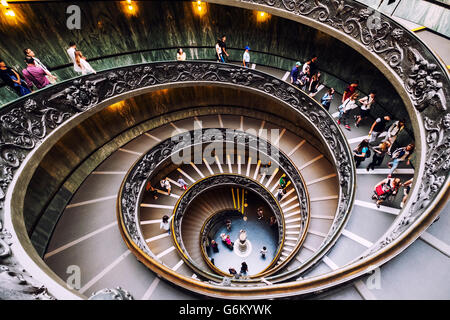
pixel 243 243
pixel 242 246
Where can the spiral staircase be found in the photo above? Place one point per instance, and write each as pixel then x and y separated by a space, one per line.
pixel 334 238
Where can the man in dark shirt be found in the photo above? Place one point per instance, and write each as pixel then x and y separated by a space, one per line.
pixel 313 66
pixel 294 73
pixel 223 46
pixel 12 79
pixel 378 127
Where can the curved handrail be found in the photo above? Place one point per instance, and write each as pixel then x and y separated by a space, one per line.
pixel 206 228
pixel 199 187
pixel 209 58
pixel 147 165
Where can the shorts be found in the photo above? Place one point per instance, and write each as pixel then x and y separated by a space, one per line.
pixel 406 190
pixel 383 196
pixel 364 113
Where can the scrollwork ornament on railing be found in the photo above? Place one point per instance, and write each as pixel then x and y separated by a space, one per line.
pixel 223 180
pixel 15 283
pixel 111 294
pixel 147 167
pixel 21 130
pixel 381 36
pixel 424 84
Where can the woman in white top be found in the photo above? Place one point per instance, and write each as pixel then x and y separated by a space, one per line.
pixel 344 109
pixel 181 56
pixel 165 183
pixel 306 66
pixel 219 52
pixel 81 65
pixel 393 132
pixel 366 103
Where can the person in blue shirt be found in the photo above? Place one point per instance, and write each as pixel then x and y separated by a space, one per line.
pixel 294 73
pixel 361 152
pixel 326 99
pixel 12 79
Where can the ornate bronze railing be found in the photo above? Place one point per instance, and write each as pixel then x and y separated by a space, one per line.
pixel 231 180
pixel 148 165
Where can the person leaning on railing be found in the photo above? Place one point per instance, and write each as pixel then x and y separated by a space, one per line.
pixel 181 56
pixel 35 75
pixel 30 54
pixel 12 79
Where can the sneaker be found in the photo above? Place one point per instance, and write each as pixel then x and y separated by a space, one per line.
pixel 367 169
pixel 356 124
pixel 378 205
pixel 348 127
pixel 401 205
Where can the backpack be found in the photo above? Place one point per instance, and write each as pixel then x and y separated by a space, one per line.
pixel 398 153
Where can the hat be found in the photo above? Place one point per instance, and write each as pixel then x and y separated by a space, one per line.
pixel 298 63
pixel 247 48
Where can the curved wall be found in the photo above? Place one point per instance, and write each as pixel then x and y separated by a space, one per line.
pixel 107 30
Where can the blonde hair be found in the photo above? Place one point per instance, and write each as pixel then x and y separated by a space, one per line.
pixel 384 145
pixel 354 96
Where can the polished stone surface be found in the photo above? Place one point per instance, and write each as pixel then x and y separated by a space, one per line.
pixel 422 12
pixel 259 233
pixel 107 30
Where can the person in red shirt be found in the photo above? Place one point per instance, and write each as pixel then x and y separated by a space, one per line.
pixel 351 89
